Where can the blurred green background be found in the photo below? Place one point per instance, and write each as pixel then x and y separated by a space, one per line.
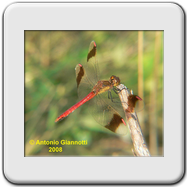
pixel 50 89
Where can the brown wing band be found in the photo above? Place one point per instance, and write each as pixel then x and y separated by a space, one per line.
pixel 80 74
pixel 92 51
pixel 132 99
pixel 114 123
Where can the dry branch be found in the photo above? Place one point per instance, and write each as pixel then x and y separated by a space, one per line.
pixel 140 147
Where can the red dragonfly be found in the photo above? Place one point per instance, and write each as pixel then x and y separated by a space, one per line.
pixel 108 113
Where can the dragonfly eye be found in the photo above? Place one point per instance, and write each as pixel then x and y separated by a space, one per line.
pixel 112 77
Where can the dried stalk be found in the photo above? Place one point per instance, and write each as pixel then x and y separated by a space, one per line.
pixel 140 147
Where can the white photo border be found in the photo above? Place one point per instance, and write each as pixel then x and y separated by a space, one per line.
pixel 168 17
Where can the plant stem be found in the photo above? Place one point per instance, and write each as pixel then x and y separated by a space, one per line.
pixel 140 147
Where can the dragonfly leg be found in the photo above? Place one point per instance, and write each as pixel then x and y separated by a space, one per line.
pixel 116 90
pixel 112 98
pixel 110 95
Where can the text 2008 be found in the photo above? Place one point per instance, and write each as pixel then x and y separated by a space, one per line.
pixel 55 149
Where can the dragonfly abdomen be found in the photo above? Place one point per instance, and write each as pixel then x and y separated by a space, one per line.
pixel 74 107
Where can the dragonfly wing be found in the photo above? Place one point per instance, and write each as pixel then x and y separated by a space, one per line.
pixel 91 67
pixel 84 86
pixel 88 75
pixel 108 114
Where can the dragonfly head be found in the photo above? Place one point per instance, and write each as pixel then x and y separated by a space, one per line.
pixel 115 81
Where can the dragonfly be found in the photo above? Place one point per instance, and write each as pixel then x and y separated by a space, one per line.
pixel 107 111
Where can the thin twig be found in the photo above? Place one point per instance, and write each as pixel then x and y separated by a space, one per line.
pixel 140 147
